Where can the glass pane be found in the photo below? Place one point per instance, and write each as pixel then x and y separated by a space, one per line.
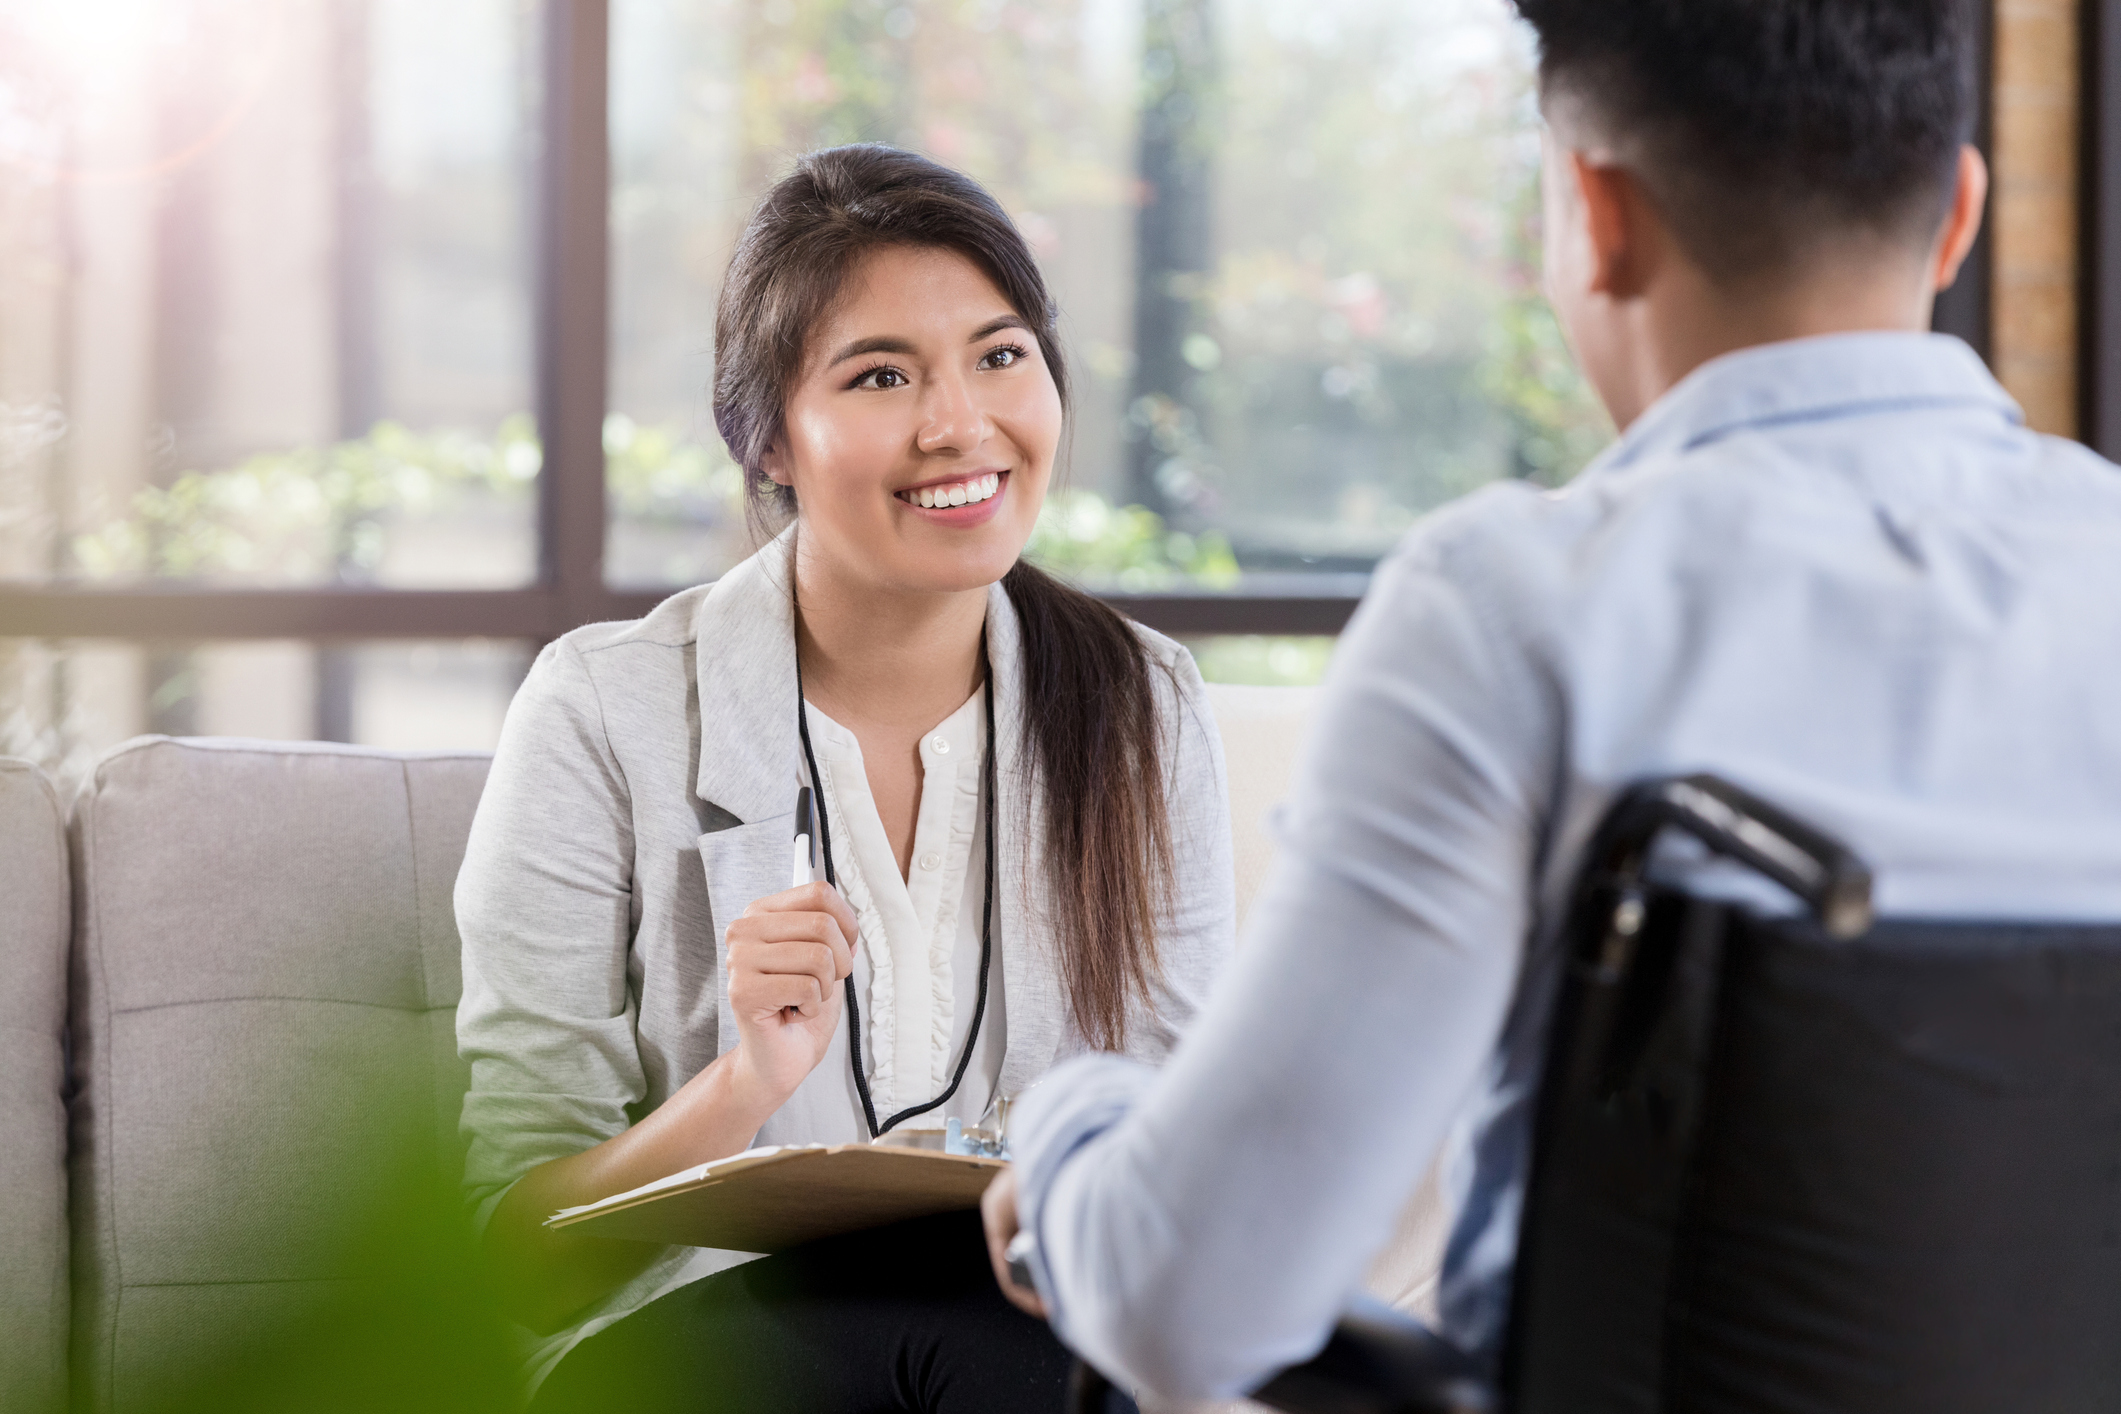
pixel 264 311
pixel 710 104
pixel 435 696
pixel 1294 245
pixel 63 704
pixel 1260 660
pixel 1360 345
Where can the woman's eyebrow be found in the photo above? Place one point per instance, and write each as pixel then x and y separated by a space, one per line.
pixel 893 344
pixel 995 326
pixel 875 343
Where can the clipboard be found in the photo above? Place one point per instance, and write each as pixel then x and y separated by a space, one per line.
pixel 768 1200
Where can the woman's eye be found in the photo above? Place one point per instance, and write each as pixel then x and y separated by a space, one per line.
pixel 881 378
pixel 1003 357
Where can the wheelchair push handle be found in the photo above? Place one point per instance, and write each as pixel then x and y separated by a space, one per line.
pixel 1833 882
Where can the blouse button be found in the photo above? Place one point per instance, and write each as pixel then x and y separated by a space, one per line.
pixel 940 745
pixel 931 862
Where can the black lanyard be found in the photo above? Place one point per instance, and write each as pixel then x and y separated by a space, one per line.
pixel 986 924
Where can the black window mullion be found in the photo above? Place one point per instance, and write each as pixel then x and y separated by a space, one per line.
pixel 2099 250
pixel 573 294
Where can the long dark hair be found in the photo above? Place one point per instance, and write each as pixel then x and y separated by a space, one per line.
pixel 1090 702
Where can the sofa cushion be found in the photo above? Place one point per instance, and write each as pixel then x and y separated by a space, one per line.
pixel 264 984
pixel 1261 729
pixel 33 932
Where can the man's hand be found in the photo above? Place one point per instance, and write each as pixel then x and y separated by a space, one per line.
pixel 997 1207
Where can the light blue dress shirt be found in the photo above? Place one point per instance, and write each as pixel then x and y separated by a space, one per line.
pixel 1837 571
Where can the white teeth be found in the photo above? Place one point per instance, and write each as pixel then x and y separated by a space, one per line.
pixel 962 493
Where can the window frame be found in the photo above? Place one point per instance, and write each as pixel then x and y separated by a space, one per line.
pixel 2099 246
pixel 572 293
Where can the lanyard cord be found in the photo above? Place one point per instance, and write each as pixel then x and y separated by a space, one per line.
pixel 986 925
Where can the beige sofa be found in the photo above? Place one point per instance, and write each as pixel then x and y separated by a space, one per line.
pixel 227 984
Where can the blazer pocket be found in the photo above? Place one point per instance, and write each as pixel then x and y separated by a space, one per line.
pixel 743 864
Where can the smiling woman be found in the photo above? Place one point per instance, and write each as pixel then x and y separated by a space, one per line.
pixel 929 387
pixel 1026 840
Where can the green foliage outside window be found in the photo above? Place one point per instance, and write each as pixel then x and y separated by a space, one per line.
pixel 1085 537
pixel 323 514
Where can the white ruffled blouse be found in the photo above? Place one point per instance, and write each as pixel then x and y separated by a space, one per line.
pixel 917 964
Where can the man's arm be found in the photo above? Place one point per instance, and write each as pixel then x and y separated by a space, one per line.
pixel 1201 1227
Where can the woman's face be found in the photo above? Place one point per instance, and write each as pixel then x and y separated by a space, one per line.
pixel 920 433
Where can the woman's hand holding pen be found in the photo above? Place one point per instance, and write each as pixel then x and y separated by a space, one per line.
pixel 788 955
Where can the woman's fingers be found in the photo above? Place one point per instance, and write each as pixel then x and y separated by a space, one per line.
pixel 810 898
pixel 833 926
pixel 765 992
pixel 790 942
pixel 798 958
pixel 790 950
pixel 814 963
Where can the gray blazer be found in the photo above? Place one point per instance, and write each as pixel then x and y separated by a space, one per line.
pixel 641 799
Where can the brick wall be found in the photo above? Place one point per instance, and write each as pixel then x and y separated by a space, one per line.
pixel 2034 208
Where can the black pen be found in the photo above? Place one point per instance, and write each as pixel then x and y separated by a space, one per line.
pixel 805 856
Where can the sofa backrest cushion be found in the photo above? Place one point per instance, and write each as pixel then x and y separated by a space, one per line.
pixel 264 985
pixel 34 912
pixel 1261 729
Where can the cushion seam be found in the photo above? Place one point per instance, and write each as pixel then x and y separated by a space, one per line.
pixel 314 1001
pixel 419 917
pixel 262 747
pixel 108 1325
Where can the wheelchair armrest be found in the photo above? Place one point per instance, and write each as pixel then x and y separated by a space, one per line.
pixel 1380 1362
pixel 1375 1362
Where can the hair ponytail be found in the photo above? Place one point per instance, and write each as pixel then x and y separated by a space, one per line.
pixel 1095 737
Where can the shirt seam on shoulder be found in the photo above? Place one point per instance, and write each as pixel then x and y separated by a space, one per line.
pixel 604 725
pixel 586 649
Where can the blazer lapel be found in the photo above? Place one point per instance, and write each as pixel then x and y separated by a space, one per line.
pixel 744 630
pixel 745 661
pixel 744 864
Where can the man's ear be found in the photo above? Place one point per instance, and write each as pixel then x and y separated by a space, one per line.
pixel 1613 220
pixel 1962 224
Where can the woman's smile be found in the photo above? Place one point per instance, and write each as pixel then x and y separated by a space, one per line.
pixel 962 501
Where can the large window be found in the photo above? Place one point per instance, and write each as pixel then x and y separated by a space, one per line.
pixel 349 350
pixel 1292 242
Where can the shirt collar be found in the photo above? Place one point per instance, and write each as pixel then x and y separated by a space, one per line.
pixel 1819 379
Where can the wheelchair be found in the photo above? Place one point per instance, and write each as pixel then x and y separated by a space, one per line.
pixel 1816 1162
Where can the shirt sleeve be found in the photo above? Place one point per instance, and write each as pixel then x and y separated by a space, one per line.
pixel 1201 1227
pixel 544 907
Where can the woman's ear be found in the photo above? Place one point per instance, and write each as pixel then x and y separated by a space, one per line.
pixel 774 462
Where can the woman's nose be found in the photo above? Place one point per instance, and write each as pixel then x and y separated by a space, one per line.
pixel 953 420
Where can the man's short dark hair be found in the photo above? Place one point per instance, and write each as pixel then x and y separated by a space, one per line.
pixel 1761 127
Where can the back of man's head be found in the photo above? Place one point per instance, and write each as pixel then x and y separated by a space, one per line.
pixel 1762 128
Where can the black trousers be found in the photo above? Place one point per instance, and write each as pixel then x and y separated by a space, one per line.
pixel 902 1318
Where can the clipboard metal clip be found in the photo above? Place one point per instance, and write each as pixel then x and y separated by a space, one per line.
pixel 974 1143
